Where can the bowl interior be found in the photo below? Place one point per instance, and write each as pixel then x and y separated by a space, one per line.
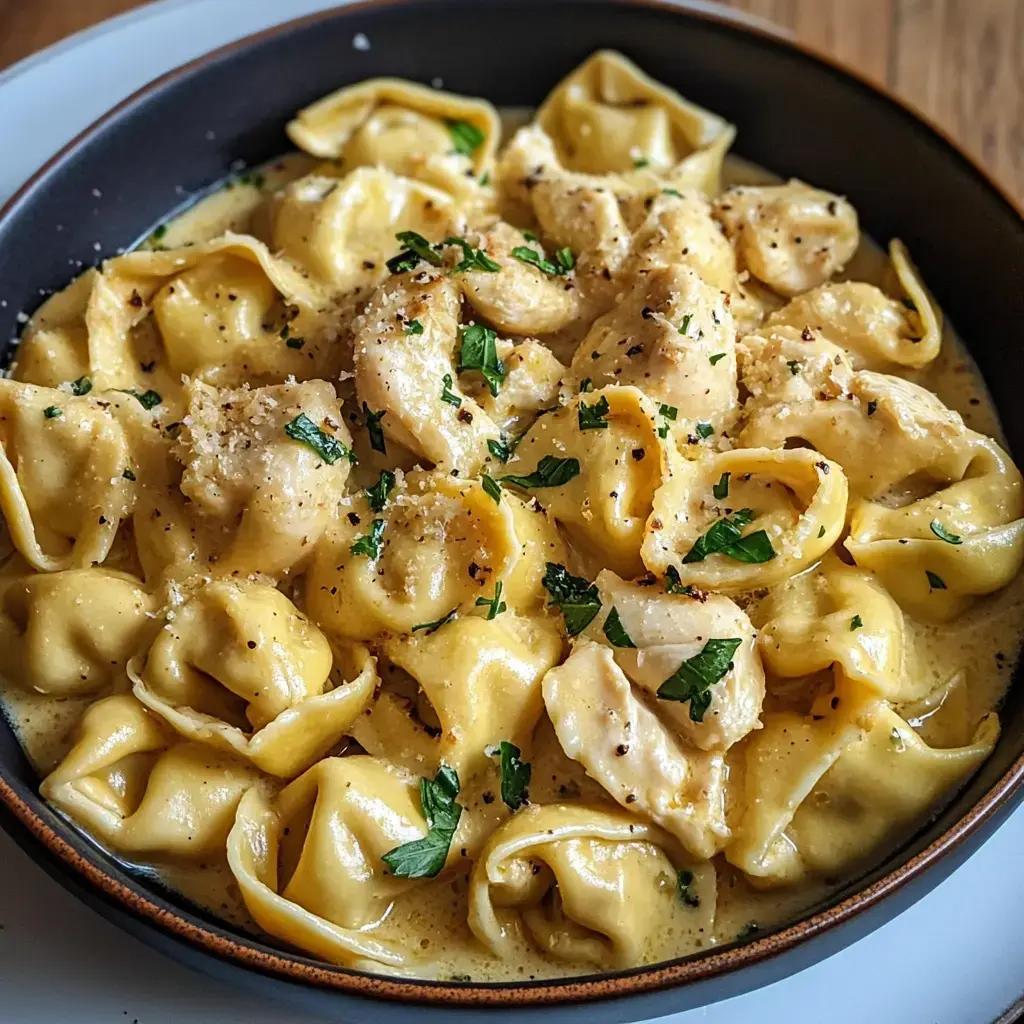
pixel 797 115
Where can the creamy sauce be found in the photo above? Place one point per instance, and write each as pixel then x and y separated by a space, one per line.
pixel 964 667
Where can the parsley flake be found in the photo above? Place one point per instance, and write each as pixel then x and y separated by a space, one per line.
pixel 934 582
pixel 724 537
pixel 593 417
pixel 704 430
pixel 943 534
pixel 564 260
pixel 672 192
pixel 128 475
pixel 472 259
pixel 466 137
pixel 794 366
pixel 721 489
pixel 82 386
pixel 52 412
pixel 494 605
pixel 433 627
pixel 693 680
pixel 856 623
pixel 492 488
pixel 370 544
pixel 378 494
pixel 615 632
pixel 371 421
pixel 551 471
pixel 674 583
pixel 685 890
pixel 685 325
pixel 515 776
pixel 478 352
pixel 716 358
pixel 502 449
pixel 328 447
pixel 413 327
pixel 446 394
pixel 576 597
pixel 424 858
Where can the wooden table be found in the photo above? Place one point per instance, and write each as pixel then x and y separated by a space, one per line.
pixel 959 61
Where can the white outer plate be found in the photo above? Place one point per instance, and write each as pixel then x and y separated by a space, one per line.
pixel 953 958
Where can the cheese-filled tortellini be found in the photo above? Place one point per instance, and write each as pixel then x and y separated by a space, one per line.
pixel 608 116
pixel 595 465
pixel 267 467
pixel 792 237
pixel 130 783
pixel 71 633
pixel 662 631
pixel 934 554
pixel 839 615
pixel 240 668
pixel 589 886
pixel 408 350
pixel 63 489
pixel 743 519
pixel 671 337
pixel 334 822
pixel 434 548
pixel 419 132
pixel 638 759
pixel 482 679
pixel 343 231
pixel 875 331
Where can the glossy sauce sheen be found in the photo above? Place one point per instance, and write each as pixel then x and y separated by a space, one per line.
pixel 981 646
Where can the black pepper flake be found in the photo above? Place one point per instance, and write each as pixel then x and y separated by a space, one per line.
pixel 353 519
pixel 823 466
pixel 872 406
pixel 634 350
pixel 136 300
pixel 464 416
pixel 638 454
pixel 834 703
pixel 807 334
pixel 488 797
pixel 622 749
pixel 630 798
pixel 647 313
pixel 473 570
pixel 251 644
pixel 369 265
pixel 148 367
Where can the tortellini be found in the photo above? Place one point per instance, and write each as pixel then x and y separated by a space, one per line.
pixel 966 539
pixel 241 669
pixel 63 489
pixel 402 372
pixel 71 633
pixel 335 821
pixel 876 331
pixel 792 237
pixel 608 116
pixel 135 788
pixel 413 130
pixel 778 513
pixel 440 544
pixel 637 759
pixel 343 231
pixel 267 467
pixel 588 885
pixel 620 463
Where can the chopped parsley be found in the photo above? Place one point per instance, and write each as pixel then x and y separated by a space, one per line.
pixel 478 352
pixel 413 327
pixel 492 488
pixel 672 192
pixel 575 597
pixel 82 386
pixel 586 385
pixel 563 262
pixel 641 161
pixel 159 231
pixel 416 248
pixel 934 582
pixel 716 358
pixel 856 623
pixel 128 475
pixel 52 412
pixel 821 531
pixel 472 259
pixel 794 366
pixel 424 858
pixel 704 430
pixel 685 890
pixel 371 421
pixel 433 627
pixel 615 632
pixel 378 494
pixel 328 447
pixel 593 417
pixel 668 411
pixel 685 325
pixel 721 489
pixel 943 534
pixel 515 776
pixel 502 449
pixel 466 137
pixel 551 471
pixel 724 537
pixel 446 394
pixel 494 605
pixel 674 583
pixel 485 179
pixel 147 399
pixel 693 680
pixel 370 544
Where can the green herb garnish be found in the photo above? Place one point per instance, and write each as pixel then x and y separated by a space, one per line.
pixel 856 623
pixel 494 605
pixel 82 386
pixel 935 582
pixel 575 597
pixel 721 489
pixel 724 537
pixel 378 494
pixel 704 430
pixel 413 327
pixel 693 680
pixel 674 583
pixel 478 352
pixel 466 137
pixel 551 471
pixel 794 366
pixel 593 417
pixel 685 890
pixel 372 420
pixel 52 412
pixel 446 394
pixel 515 776
pixel 128 475
pixel 433 627
pixel 502 450
pixel 672 192
pixel 472 259
pixel 943 534
pixel 415 242
pixel 424 858
pixel 328 447
pixel 492 488
pixel 716 357
pixel 615 632
pixel 685 325
pixel 370 544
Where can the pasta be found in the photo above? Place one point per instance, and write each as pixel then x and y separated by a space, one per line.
pixel 471 554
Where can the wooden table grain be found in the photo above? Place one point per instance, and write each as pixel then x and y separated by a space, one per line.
pixel 961 62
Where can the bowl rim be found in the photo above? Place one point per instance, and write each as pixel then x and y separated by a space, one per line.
pixel 250 953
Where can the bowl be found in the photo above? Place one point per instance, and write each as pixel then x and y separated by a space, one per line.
pixel 798 114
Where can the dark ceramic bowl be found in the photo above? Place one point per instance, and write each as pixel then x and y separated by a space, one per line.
pixel 798 114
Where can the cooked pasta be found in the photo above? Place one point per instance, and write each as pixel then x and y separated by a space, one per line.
pixel 478 555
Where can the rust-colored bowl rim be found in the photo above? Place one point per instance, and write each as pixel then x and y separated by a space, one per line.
pixel 251 954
